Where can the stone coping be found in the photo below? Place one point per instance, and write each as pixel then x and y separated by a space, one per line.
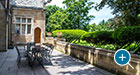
pixel 85 48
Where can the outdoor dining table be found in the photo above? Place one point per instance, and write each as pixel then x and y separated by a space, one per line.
pixel 35 53
pixel 38 54
pixel 21 44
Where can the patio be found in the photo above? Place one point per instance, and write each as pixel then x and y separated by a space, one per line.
pixel 62 64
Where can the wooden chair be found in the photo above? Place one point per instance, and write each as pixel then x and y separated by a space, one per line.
pixel 21 54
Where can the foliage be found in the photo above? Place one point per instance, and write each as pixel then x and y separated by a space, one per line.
pixel 134 46
pixel 59 20
pixel 88 37
pixel 70 35
pixel 126 35
pixel 84 43
pixel 128 10
pixel 75 16
pixel 78 12
pixel 102 26
pixel 101 37
pixel 50 9
pixel 116 22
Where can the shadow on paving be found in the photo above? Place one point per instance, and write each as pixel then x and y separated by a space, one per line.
pixel 67 65
pixel 68 60
pixel 89 71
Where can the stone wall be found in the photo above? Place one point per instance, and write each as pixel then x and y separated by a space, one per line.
pixel 5 25
pixel 100 57
pixel 38 16
pixel 2 30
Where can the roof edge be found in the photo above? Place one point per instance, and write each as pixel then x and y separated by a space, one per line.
pixel 27 7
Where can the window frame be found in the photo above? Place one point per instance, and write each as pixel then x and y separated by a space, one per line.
pixel 26 24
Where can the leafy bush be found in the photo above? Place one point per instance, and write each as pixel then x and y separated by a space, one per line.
pixel 125 36
pixel 98 37
pixel 106 46
pixel 70 35
pixel 88 36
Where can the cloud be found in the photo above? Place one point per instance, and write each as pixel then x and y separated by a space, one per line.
pixel 57 3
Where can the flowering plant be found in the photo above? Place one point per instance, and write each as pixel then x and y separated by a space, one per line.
pixel 59 34
pixel 49 34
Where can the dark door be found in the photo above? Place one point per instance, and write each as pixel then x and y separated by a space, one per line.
pixel 37 35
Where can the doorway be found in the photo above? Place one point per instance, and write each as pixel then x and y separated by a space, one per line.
pixel 37 35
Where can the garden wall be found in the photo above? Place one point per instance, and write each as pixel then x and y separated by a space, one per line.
pixel 99 57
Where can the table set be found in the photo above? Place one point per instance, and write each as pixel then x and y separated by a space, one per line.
pixel 35 54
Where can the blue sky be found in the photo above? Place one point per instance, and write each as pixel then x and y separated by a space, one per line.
pixel 103 14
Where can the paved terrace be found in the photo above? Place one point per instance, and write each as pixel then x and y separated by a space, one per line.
pixel 62 65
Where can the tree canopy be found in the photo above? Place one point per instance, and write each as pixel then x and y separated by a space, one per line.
pixel 59 20
pixel 78 12
pixel 127 10
pixel 74 16
pixel 50 9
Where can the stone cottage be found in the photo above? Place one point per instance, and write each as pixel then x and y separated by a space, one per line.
pixel 27 20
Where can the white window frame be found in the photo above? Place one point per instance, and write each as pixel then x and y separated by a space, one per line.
pixel 26 24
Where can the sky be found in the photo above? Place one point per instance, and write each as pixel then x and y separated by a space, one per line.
pixel 103 14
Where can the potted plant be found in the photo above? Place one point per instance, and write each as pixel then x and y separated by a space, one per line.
pixel 59 34
pixel 49 34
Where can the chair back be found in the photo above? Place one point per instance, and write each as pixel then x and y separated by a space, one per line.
pixel 29 45
pixel 50 45
pixel 17 50
pixel 49 48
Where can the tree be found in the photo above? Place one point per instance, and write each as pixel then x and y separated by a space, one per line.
pixel 127 10
pixel 116 22
pixel 78 12
pixel 59 20
pixel 50 9
pixel 102 26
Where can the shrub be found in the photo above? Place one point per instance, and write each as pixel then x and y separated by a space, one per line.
pixel 70 35
pixel 98 37
pixel 88 36
pixel 126 35
pixel 103 37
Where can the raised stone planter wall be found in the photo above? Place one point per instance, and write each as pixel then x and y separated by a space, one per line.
pixel 100 57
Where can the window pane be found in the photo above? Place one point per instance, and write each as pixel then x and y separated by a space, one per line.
pixel 18 28
pixel 29 29
pixel 23 28
pixel 18 19
pixel 29 20
pixel 23 20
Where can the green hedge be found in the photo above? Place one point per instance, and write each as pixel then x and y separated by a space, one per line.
pixel 126 35
pixel 98 37
pixel 70 35
pixel 88 37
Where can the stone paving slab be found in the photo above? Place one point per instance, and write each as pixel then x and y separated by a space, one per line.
pixel 8 65
pixel 67 65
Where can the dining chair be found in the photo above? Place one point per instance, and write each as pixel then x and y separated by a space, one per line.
pixel 29 52
pixel 21 55
pixel 49 50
